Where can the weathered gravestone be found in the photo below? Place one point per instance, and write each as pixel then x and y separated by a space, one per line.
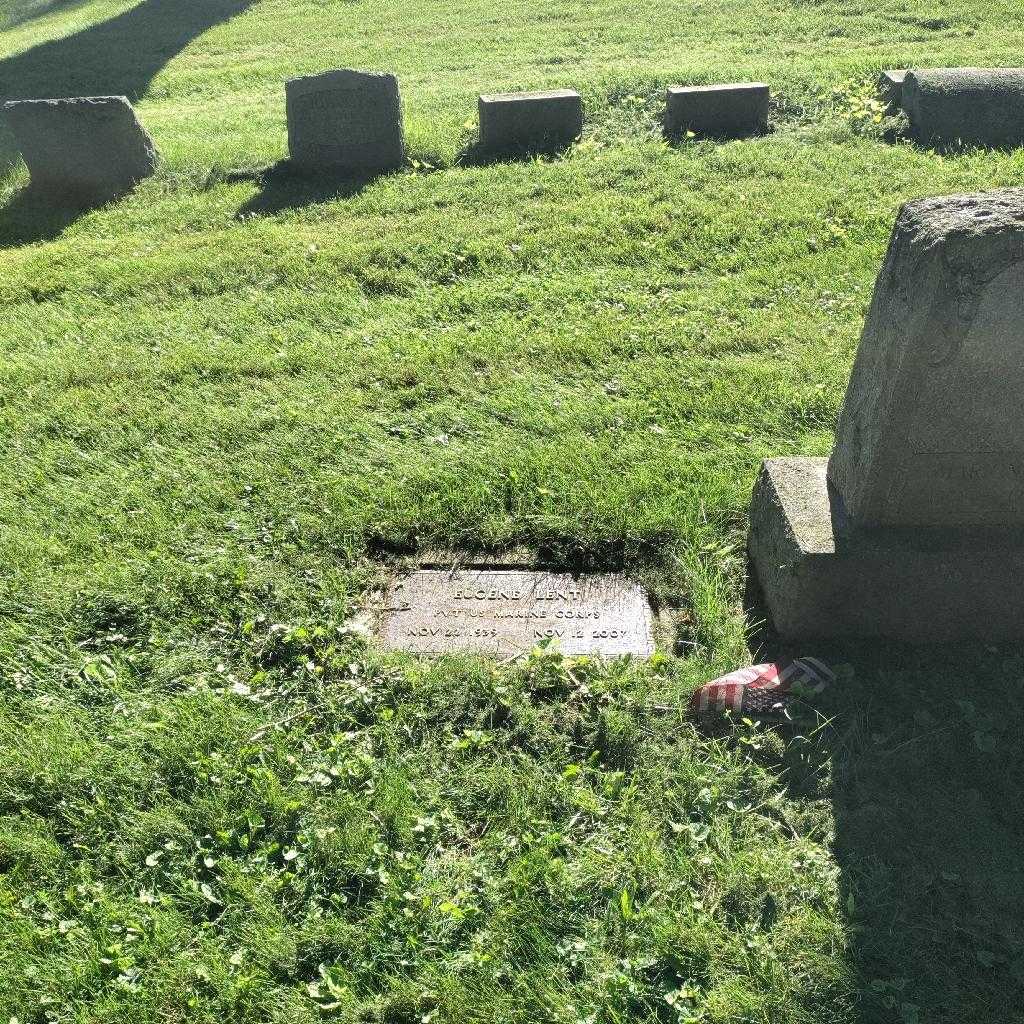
pixel 914 528
pixel 721 111
pixel 979 106
pixel 890 87
pixel 89 148
pixel 509 612
pixel 536 122
pixel 346 122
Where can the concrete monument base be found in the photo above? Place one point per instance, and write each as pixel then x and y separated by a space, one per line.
pixel 823 578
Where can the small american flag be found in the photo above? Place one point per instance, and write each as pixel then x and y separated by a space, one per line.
pixel 761 689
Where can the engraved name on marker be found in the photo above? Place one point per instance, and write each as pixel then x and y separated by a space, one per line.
pixel 508 612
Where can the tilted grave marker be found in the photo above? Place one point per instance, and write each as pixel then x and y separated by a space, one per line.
pixel 890 87
pixel 89 148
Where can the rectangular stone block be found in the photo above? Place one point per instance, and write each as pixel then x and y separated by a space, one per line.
pixel 90 148
pixel 509 612
pixel 823 578
pixel 721 111
pixel 931 433
pixel 890 88
pixel 345 121
pixel 978 106
pixel 537 122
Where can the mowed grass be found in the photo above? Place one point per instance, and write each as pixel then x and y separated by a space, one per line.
pixel 230 401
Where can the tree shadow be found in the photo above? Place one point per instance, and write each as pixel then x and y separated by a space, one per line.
pixel 283 187
pixel 9 155
pixel 928 796
pixel 923 761
pixel 116 57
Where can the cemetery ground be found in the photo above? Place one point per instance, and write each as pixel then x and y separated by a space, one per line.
pixel 231 402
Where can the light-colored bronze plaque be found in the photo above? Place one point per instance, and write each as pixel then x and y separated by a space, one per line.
pixel 509 612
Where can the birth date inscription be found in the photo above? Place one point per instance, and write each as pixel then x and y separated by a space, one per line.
pixel 509 612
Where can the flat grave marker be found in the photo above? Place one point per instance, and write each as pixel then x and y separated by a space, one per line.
pixel 507 612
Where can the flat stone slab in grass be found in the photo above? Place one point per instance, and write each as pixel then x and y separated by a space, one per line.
pixel 509 612
pixel 530 121
pixel 86 147
pixel 345 121
pixel 718 110
pixel 931 432
pixel 977 106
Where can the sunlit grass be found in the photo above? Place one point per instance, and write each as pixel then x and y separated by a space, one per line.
pixel 228 399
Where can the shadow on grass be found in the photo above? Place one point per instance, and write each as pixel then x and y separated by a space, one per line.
pixel 34 216
pixel 551 554
pixel 9 155
pixel 116 57
pixel 924 766
pixel 282 187
pixel 675 136
pixel 952 148
pixel 896 130
pixel 477 155
pixel 928 795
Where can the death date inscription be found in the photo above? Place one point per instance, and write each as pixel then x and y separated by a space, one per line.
pixel 508 612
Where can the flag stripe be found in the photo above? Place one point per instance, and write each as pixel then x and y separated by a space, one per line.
pixel 760 688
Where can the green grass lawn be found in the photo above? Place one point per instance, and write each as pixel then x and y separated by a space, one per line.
pixel 230 405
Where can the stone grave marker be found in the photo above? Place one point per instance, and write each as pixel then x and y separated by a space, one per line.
pixel 507 612
pixel 721 111
pixel 89 148
pixel 345 121
pixel 890 88
pixel 914 528
pixel 979 106
pixel 539 122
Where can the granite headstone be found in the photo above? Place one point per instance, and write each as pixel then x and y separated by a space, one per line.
pixel 345 122
pixel 977 106
pixel 914 528
pixel 89 148
pixel 721 111
pixel 530 121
